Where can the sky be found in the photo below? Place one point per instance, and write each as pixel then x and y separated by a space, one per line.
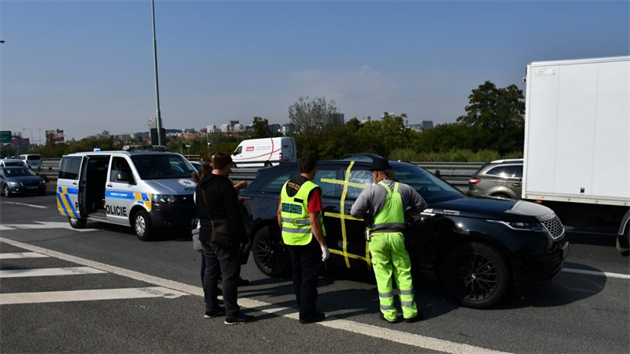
pixel 84 66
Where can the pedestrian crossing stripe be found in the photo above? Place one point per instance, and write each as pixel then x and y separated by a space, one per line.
pixel 18 255
pixel 44 272
pixel 89 295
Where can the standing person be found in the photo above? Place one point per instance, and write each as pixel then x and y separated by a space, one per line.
pixel 388 201
pixel 197 176
pixel 300 218
pixel 219 201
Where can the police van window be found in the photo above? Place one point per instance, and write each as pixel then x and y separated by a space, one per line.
pixel 119 164
pixel 326 180
pixel 162 166
pixel 357 179
pixel 69 168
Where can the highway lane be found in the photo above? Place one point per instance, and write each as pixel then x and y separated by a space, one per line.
pixel 576 313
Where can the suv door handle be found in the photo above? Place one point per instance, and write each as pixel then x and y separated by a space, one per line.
pixel 74 183
pixel 110 185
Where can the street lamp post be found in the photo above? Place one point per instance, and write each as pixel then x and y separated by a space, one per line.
pixel 157 86
pixel 188 147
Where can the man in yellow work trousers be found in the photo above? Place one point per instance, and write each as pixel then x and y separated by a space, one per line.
pixel 388 201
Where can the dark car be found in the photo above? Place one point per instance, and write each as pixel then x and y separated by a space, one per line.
pixel 477 247
pixel 20 179
pixel 500 178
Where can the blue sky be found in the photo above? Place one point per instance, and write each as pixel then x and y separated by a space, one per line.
pixel 85 66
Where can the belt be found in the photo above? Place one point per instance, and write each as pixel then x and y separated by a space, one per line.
pixel 387 230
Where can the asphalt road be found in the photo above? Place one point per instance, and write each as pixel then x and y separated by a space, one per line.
pixel 140 297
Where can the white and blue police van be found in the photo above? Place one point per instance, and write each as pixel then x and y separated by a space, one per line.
pixel 144 187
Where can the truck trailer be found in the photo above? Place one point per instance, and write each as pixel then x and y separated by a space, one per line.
pixel 577 142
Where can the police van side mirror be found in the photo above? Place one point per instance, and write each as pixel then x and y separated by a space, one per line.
pixel 124 176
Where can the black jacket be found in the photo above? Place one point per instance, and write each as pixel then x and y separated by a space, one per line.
pixel 221 200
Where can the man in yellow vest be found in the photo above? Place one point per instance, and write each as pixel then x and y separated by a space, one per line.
pixel 387 202
pixel 300 218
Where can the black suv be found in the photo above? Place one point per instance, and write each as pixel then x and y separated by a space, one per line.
pixel 477 247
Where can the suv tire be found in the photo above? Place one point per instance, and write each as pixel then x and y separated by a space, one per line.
pixel 475 275
pixel 270 253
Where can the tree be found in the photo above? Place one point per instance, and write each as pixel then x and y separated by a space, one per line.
pixel 261 128
pixel 498 113
pixel 311 116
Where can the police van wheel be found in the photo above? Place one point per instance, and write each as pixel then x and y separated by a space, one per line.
pixel 270 253
pixel 142 225
pixel 475 275
pixel 77 223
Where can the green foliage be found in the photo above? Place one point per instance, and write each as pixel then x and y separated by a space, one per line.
pixel 261 128
pixel 311 116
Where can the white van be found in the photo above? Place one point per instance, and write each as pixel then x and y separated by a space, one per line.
pixel 138 188
pixel 12 163
pixel 32 160
pixel 264 152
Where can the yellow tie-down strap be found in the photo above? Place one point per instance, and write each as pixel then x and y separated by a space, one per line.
pixel 343 217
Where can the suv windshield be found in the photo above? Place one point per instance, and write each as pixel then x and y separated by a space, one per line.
pixel 162 166
pixel 17 172
pixel 431 188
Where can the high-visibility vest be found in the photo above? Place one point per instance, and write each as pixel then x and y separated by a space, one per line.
pixel 392 215
pixel 296 224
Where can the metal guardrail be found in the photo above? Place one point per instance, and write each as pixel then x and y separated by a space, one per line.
pixel 456 173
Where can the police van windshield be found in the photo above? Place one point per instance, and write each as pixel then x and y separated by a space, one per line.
pixel 431 188
pixel 162 166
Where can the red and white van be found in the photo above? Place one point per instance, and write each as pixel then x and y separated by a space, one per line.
pixel 264 152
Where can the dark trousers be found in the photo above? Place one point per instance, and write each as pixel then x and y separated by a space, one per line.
pixel 221 260
pixel 306 261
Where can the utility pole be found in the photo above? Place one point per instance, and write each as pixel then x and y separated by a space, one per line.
pixel 157 86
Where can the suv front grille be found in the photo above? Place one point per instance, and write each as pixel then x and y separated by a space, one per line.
pixel 554 227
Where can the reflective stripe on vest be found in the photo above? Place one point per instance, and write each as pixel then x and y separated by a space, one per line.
pixel 296 224
pixel 392 214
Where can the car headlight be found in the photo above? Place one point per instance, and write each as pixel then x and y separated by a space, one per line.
pixel 14 184
pixel 164 199
pixel 520 225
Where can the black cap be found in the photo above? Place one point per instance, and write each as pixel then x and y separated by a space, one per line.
pixel 380 164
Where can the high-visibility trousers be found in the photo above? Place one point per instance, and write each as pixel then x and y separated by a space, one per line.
pixel 390 258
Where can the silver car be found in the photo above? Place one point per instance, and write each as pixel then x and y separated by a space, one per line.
pixel 500 178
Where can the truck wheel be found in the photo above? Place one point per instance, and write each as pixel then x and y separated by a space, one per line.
pixel 475 275
pixel 270 253
pixel 6 191
pixel 77 223
pixel 142 225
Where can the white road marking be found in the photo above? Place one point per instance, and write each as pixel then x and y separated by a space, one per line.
pixel 415 340
pixel 18 255
pixel 597 273
pixel 88 295
pixel 46 272
pixel 43 225
pixel 28 205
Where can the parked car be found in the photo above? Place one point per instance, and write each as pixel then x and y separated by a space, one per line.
pixel 12 162
pixel 19 179
pixel 477 247
pixel 362 156
pixel 499 178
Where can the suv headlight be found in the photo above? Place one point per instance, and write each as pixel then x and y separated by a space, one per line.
pixel 520 225
pixel 14 184
pixel 164 199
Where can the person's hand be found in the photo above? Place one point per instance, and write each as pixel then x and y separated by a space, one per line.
pixel 325 253
pixel 245 248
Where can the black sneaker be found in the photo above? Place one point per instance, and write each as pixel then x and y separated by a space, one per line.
pixel 317 317
pixel 240 318
pixel 242 282
pixel 215 313
pixel 417 318
pixel 382 317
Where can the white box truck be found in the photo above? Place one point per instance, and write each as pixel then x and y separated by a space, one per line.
pixel 577 142
pixel 264 152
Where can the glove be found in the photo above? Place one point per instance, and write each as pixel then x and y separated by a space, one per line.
pixel 325 253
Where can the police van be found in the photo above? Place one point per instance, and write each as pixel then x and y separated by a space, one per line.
pixel 144 187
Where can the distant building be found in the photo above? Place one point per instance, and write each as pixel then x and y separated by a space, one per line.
pixel 237 127
pixel 391 114
pixel 426 124
pixel 275 128
pixel 337 118
pixel 211 129
pixel 286 129
pixel 225 128
pixel 366 119
pixel 233 123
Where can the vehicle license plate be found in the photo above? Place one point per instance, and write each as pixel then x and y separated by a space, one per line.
pixel 31 187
